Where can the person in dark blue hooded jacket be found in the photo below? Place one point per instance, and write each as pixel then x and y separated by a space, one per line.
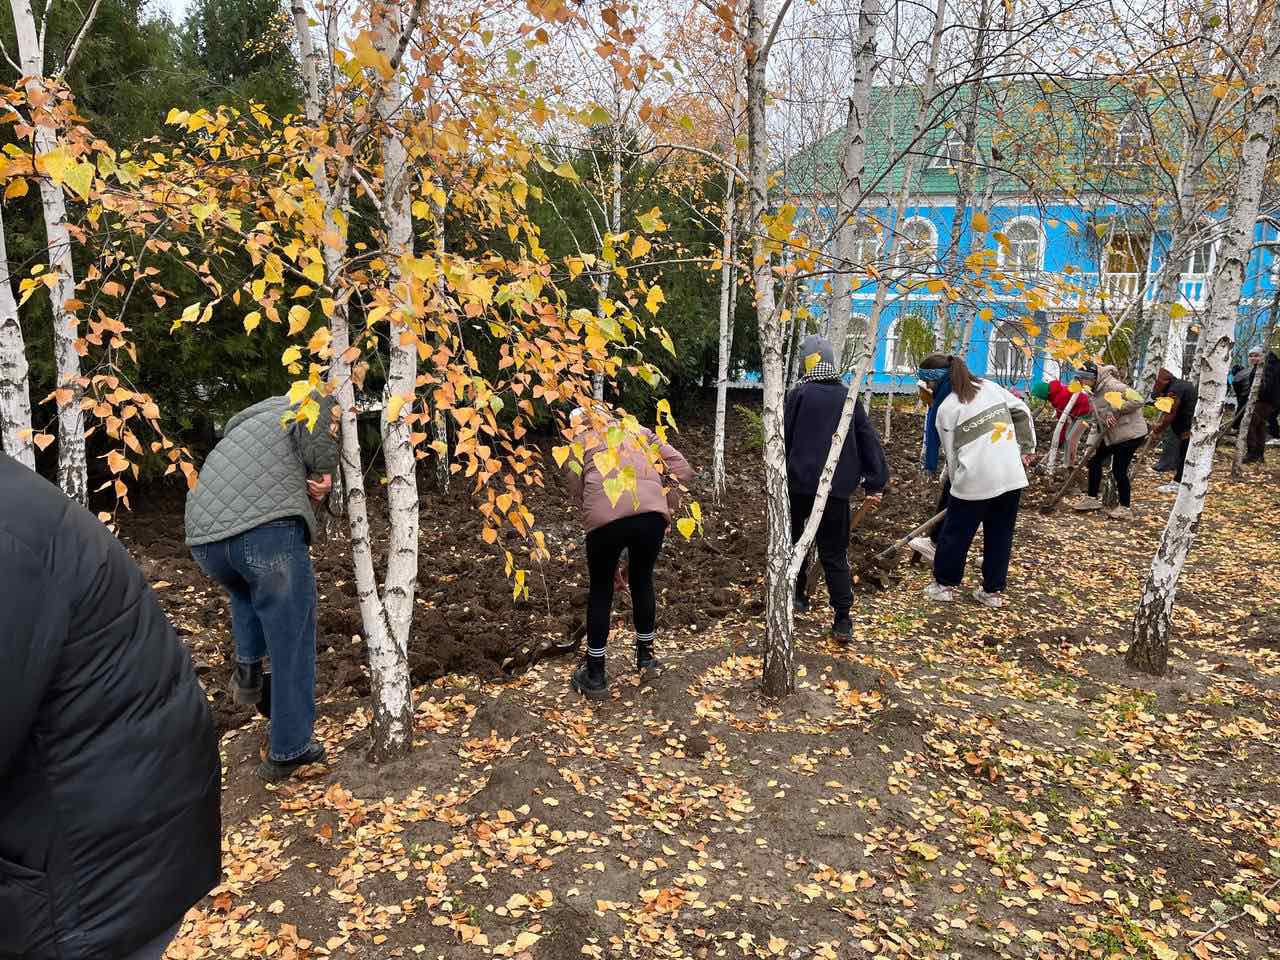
pixel 810 419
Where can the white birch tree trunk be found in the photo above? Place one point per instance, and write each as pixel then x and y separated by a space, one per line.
pixel 1167 333
pixel 334 247
pixel 779 653
pixel 853 155
pixel 728 272
pixel 389 665
pixel 888 410
pixel 1149 650
pixel 784 560
pixel 1052 462
pixel 392 709
pixel 15 392
pixel 72 469
pixel 439 424
pixel 969 310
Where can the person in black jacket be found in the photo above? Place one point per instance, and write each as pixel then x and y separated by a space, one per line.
pixel 109 774
pixel 1266 404
pixel 1177 420
pixel 812 414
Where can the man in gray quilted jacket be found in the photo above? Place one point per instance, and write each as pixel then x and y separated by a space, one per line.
pixel 249 523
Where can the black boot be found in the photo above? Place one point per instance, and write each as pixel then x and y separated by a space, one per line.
pixel 246 683
pixel 590 680
pixel 273 771
pixel 842 630
pixel 647 664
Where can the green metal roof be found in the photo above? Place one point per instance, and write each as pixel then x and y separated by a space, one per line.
pixel 1046 136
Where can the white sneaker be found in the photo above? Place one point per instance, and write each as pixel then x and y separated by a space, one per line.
pixel 1087 503
pixel 1169 488
pixel 923 546
pixel 993 600
pixel 936 591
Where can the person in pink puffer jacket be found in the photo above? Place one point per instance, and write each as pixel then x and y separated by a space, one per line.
pixel 635 523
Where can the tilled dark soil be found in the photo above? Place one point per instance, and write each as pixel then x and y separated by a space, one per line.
pixel 467 621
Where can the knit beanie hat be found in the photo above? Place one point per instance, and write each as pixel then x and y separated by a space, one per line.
pixel 1040 391
pixel 1088 372
pixel 820 345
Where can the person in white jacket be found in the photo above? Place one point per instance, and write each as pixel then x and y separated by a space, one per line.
pixel 988 438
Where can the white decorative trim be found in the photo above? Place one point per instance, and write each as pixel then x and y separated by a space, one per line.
pixel 1002 253
pixel 901 233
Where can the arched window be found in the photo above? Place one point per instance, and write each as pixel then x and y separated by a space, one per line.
pixel 856 338
pixel 1025 252
pixel 1129 140
pixel 916 244
pixel 1008 359
pixel 866 243
pixel 949 153
pixel 906 341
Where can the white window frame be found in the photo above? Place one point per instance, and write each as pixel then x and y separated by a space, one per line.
pixel 1000 336
pixel 1004 252
pixel 1212 247
pixel 865 233
pixel 891 366
pixel 859 323
pixel 950 151
pixel 900 242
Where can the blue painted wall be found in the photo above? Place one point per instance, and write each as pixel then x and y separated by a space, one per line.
pixel 1070 248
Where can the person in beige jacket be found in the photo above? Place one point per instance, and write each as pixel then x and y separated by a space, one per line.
pixel 635 523
pixel 1123 430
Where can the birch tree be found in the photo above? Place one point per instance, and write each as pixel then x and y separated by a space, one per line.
pixel 724 342
pixel 1149 649
pixel 389 665
pixel 388 656
pixel 15 393
pixel 72 468
pixel 853 158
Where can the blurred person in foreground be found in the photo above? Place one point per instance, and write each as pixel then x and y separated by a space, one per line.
pixel 110 780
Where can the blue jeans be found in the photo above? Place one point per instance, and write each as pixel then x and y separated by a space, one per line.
pixel 267 572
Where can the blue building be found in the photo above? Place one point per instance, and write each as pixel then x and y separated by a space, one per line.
pixel 1067 262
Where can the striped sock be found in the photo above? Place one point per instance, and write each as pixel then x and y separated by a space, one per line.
pixel 644 644
pixel 595 662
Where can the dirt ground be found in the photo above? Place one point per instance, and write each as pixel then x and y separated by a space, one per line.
pixel 467 622
pixel 958 782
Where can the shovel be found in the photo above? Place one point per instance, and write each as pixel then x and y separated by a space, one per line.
pixel 1052 505
pixel 922 529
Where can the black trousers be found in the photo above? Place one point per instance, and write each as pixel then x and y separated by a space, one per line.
pixel 1121 455
pixel 833 549
pixel 944 498
pixel 1184 444
pixel 997 518
pixel 1256 438
pixel 641 535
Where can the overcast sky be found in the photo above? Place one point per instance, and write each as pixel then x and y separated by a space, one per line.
pixel 177 8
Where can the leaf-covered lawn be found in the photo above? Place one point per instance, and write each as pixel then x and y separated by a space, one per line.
pixel 959 782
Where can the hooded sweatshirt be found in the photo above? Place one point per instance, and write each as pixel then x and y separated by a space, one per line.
pixel 1060 396
pixel 984 440
pixel 1130 424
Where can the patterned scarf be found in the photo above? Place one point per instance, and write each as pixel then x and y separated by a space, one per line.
pixel 822 371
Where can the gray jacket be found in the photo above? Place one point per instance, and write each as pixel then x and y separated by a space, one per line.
pixel 258 472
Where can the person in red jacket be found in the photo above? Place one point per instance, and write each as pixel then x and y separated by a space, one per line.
pixel 1075 429
pixel 1060 395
